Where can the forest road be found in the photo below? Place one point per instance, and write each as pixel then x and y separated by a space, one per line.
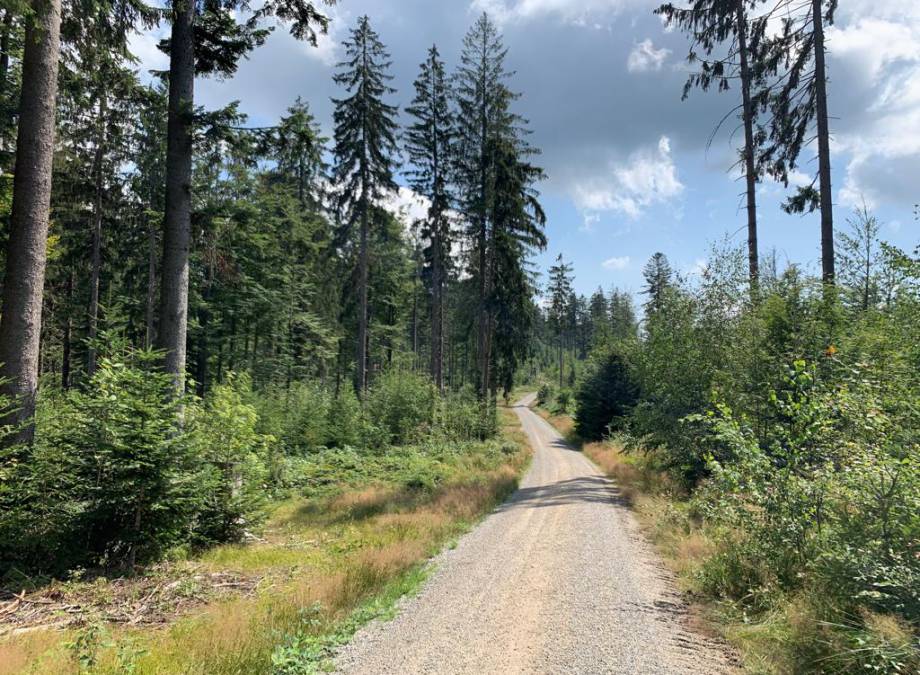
pixel 558 579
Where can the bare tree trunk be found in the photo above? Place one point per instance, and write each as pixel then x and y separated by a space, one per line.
pixel 437 312
pixel 361 357
pixel 96 254
pixel 20 325
pixel 173 327
pixel 68 332
pixel 750 173
pixel 824 149
pixel 151 286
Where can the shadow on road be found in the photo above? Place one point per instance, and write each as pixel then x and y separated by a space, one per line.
pixel 581 490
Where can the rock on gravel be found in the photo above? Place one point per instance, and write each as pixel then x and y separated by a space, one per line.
pixel 557 580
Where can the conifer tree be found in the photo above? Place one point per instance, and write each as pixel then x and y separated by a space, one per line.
pixel 365 147
pixel 21 314
pixel 560 295
pixel 800 114
pixel 430 146
pixel 205 39
pixel 484 124
pixel 297 146
pixel 658 279
pixel 713 24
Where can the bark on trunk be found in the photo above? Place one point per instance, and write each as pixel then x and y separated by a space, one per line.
pixel 20 325
pixel 750 173
pixel 177 227
pixel 68 331
pixel 361 356
pixel 437 313
pixel 96 253
pixel 824 149
pixel 150 316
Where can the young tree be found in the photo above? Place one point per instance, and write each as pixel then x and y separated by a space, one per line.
pixel 658 278
pixel 430 146
pixel 800 105
pixel 712 24
pixel 365 145
pixel 205 40
pixel 560 296
pixel 861 259
pixel 20 322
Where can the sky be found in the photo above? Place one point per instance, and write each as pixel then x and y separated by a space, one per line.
pixel 630 170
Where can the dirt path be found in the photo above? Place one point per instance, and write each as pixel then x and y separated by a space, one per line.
pixel 557 580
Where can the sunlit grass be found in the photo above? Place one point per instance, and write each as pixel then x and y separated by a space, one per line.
pixel 326 564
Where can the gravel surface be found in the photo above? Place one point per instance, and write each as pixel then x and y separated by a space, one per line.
pixel 557 580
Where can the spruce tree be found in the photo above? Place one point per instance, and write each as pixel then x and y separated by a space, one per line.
pixel 485 124
pixel 26 250
pixel 658 279
pixel 430 147
pixel 365 148
pixel 712 25
pixel 205 39
pixel 560 295
pixel 799 112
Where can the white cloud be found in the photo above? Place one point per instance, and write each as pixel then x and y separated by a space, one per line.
pixel 579 12
pixel 644 57
pixel 649 176
pixel 616 263
pixel 875 46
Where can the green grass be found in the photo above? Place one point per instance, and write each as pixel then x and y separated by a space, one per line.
pixel 326 563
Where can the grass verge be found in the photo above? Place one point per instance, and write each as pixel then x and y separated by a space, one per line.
pixel 323 566
pixel 791 634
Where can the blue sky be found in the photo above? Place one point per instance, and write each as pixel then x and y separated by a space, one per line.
pixel 629 171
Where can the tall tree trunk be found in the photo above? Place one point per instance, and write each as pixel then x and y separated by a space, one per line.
pixel 20 321
pixel 750 173
pixel 561 365
pixel 361 357
pixel 173 327
pixel 437 312
pixel 150 312
pixel 96 253
pixel 824 149
pixel 68 336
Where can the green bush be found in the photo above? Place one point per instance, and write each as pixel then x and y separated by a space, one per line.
pixel 605 396
pixel 109 480
pixel 235 459
pixel 544 394
pixel 400 408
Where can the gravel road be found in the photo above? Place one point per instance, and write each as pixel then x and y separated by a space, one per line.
pixel 557 580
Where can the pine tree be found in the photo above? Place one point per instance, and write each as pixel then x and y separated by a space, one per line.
pixel 365 147
pixel 658 278
pixel 712 24
pixel 430 146
pixel 560 296
pixel 800 105
pixel 21 317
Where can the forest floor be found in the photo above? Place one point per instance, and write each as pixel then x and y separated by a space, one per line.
pixel 282 602
pixel 558 579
